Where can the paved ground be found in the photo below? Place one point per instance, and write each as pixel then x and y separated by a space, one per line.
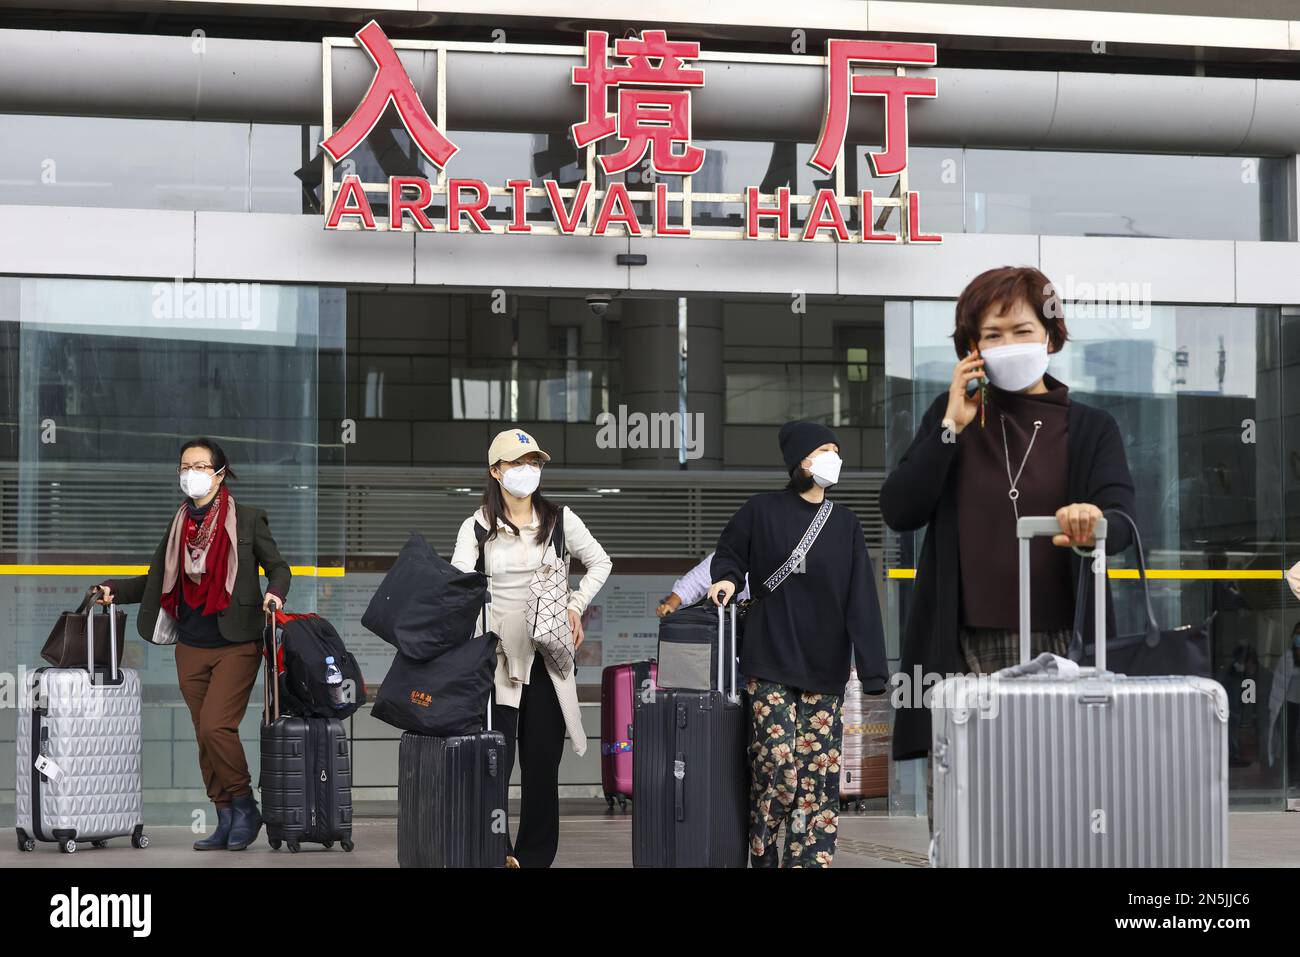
pixel 590 837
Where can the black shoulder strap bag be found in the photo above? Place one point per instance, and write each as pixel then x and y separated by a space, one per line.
pixel 1175 651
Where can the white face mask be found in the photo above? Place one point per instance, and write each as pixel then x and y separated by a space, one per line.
pixel 197 484
pixel 522 480
pixel 1016 367
pixel 825 468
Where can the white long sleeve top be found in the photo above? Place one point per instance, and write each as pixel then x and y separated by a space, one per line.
pixel 510 561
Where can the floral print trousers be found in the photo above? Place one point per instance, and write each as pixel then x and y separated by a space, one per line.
pixel 794 757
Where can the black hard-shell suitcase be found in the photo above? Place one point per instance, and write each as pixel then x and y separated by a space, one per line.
pixel 451 800
pixel 452 791
pixel 692 774
pixel 306 778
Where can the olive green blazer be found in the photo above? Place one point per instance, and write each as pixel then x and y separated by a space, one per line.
pixel 243 619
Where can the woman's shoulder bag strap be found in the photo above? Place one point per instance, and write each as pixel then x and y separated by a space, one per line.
pixel 480 535
pixel 796 557
pixel 557 536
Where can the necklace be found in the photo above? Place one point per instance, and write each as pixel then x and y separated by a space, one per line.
pixel 1014 493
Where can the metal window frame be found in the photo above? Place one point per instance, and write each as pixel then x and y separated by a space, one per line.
pixel 685 196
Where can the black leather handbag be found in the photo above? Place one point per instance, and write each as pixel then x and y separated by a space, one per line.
pixel 1152 652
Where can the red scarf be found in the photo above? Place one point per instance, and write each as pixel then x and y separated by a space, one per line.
pixel 208 594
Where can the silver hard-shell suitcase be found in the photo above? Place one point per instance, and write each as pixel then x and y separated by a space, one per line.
pixel 79 754
pixel 1102 770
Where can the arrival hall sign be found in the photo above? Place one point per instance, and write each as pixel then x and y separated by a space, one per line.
pixel 638 108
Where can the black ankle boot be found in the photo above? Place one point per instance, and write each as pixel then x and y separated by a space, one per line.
pixel 247 822
pixel 216 841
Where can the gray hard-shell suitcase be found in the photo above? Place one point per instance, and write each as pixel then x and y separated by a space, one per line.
pixel 1099 770
pixel 691 774
pixel 79 753
pixel 306 777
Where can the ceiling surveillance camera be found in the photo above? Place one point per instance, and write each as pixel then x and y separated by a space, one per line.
pixel 598 303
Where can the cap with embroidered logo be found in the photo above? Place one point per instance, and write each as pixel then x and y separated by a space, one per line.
pixel 512 444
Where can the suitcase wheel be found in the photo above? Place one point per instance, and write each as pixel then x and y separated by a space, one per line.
pixel 622 803
pixel 140 841
pixel 27 844
pixel 274 842
pixel 609 799
pixel 99 843
pixel 69 846
pixel 293 847
pixel 328 844
pixel 347 845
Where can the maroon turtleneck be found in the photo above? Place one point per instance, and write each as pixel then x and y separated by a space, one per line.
pixel 986 521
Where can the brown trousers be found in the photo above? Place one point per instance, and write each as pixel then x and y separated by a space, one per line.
pixel 216 684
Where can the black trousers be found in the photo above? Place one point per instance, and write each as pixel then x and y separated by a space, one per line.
pixel 538 724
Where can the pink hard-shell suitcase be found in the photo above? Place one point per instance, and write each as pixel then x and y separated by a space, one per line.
pixel 619 685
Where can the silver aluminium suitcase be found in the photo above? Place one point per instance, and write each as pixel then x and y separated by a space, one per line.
pixel 1100 770
pixel 79 744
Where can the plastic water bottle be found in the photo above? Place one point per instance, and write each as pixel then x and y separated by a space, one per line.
pixel 334 679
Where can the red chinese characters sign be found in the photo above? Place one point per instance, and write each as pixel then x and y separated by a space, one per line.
pixel 638 105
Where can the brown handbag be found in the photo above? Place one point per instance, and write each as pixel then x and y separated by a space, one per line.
pixel 67 646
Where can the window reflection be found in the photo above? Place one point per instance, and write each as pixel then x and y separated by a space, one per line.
pixel 182 164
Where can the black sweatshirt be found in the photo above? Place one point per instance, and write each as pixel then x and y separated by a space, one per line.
pixel 801 635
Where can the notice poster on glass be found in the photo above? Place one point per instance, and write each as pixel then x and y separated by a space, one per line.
pixel 620 624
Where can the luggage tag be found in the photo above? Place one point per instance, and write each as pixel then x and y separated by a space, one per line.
pixel 47 767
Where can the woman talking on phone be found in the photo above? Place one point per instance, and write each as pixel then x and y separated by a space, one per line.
pixel 1004 440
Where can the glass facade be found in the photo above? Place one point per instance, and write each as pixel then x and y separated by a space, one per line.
pixel 102 379
pixel 154 164
pixel 102 382
pixel 1056 193
pixel 1199 396
pixel 276 168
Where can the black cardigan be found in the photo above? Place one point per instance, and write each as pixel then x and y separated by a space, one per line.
pixel 919 492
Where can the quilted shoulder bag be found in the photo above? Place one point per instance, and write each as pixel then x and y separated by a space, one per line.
pixel 546 616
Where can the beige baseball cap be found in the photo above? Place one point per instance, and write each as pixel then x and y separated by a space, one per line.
pixel 512 444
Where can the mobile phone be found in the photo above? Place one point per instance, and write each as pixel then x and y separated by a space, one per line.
pixel 973 385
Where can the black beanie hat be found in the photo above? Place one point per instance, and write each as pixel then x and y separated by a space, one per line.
pixel 799 438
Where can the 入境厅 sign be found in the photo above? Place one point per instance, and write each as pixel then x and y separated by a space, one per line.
pixel 650 127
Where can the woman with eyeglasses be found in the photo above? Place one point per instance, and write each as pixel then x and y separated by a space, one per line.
pixel 203 594
pixel 535 697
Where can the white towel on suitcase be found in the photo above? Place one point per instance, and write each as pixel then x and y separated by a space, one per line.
pixel 1045 664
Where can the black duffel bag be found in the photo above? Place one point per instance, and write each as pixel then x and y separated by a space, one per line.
pixel 446 696
pixel 688 645
pixel 305 642
pixel 425 606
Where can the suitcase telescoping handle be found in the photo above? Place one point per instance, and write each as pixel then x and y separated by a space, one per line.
pixel 487 725
pixel 1037 526
pixel 722 647
pixel 90 639
pixel 271 686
